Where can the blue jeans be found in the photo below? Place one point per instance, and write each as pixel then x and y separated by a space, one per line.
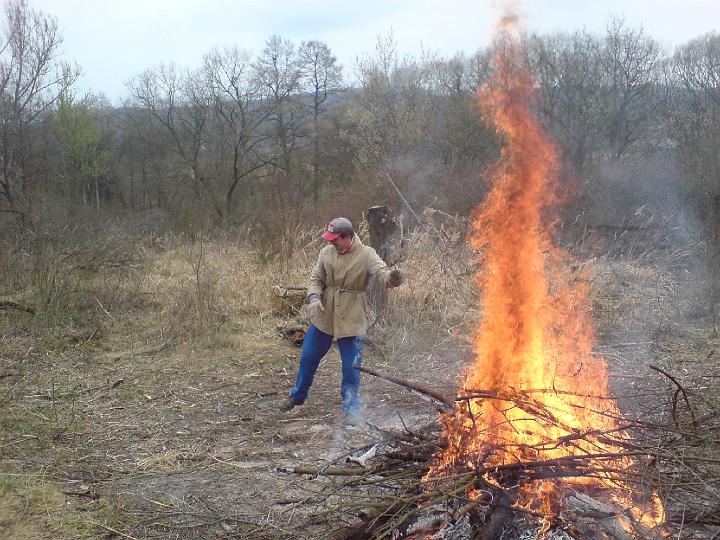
pixel 316 345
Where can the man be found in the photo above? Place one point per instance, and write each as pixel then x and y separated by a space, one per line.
pixel 337 308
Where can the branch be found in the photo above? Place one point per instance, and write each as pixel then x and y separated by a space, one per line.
pixel 684 393
pixel 423 390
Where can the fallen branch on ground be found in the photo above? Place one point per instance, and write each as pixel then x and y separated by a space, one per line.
pixel 434 395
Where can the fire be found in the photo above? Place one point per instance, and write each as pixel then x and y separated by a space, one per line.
pixel 543 391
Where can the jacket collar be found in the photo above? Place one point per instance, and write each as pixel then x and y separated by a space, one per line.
pixel 356 243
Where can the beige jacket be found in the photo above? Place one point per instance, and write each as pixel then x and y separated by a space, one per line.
pixel 341 281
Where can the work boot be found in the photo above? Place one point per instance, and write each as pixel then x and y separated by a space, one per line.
pixel 289 403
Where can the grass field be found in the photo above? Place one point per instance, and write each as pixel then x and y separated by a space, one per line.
pixel 140 378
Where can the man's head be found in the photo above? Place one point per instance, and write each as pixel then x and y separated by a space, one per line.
pixel 339 233
pixel 338 227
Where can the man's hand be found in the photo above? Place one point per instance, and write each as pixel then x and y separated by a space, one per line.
pixel 314 306
pixel 396 278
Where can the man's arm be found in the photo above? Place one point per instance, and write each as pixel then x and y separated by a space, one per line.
pixel 390 277
pixel 315 289
pixel 316 284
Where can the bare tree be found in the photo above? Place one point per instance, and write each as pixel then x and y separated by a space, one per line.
pixel 279 72
pixel 239 116
pixel 395 99
pixel 178 107
pixel 478 69
pixel 630 65
pixel 321 74
pixel 146 159
pixel 31 80
pixel 459 134
pixel 594 94
pixel 694 90
pixel 569 78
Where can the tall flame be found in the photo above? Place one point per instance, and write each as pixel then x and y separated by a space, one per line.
pixel 533 349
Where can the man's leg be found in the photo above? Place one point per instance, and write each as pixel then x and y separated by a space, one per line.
pixel 316 344
pixel 351 355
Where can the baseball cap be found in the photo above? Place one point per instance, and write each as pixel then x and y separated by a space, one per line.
pixel 337 227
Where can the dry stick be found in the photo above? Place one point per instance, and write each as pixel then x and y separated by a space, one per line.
pixel 327 471
pixel 685 396
pixel 431 498
pixel 536 409
pixel 528 400
pixel 544 469
pixel 493 393
pixel 539 469
pixel 114 531
pixel 440 235
pixel 573 434
pixel 429 392
pixel 405 201
pixel 557 462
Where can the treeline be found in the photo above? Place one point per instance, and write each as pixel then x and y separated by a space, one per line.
pixel 270 140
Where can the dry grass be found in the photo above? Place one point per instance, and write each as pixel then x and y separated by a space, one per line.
pixel 173 332
pixel 102 309
pixel 165 364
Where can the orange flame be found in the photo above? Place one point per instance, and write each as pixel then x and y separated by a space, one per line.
pixel 533 349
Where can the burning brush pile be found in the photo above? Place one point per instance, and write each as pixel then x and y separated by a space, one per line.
pixel 533 414
pixel 532 436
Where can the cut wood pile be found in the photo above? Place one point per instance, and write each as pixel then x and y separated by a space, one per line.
pixel 288 301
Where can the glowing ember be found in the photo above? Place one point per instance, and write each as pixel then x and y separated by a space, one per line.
pixel 542 388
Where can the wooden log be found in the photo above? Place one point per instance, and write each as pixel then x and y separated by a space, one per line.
pixel 385 233
pixel 595 519
pixel 385 238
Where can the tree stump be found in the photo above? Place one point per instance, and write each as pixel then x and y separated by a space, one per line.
pixel 386 238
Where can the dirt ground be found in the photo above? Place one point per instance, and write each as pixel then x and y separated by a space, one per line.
pixel 186 443
pixel 143 440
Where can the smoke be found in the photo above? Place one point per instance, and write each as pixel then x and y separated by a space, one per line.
pixel 651 193
pixel 510 20
pixel 650 250
pixel 419 178
pixel 643 192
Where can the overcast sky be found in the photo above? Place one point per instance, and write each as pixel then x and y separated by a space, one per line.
pixel 112 40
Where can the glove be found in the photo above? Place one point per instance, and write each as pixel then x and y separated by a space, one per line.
pixel 396 278
pixel 315 307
